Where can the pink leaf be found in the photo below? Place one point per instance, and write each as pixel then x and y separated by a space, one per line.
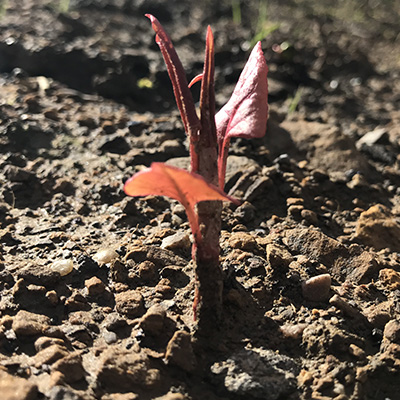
pixel 245 114
pixel 179 184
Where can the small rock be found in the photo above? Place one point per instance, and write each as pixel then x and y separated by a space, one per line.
pixel 356 351
pixel 77 302
pixel 49 355
pixel 63 267
pixel 71 367
pixel 44 341
pixel 110 337
pixel 153 321
pixel 344 306
pixel 105 256
pixel 292 331
pixel 310 216
pixel 179 351
pixel 129 303
pixel 294 201
pixel 245 212
pixel 295 211
pixel 278 256
pixel 242 241
pixel 378 136
pixel 392 331
pixel 51 295
pixel 26 323
pixel 180 240
pixel 378 314
pixel 317 288
pixel 95 286
pixel 15 388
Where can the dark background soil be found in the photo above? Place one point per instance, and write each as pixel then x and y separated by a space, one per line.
pixel 311 257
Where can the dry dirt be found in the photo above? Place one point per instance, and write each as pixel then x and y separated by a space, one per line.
pixel 311 258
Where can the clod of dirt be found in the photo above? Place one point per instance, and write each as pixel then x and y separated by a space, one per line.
pixel 378 228
pixel 126 371
pixel 129 303
pixel 153 321
pixel 179 351
pixel 26 323
pixel 15 388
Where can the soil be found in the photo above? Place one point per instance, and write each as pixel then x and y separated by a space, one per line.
pixel 97 288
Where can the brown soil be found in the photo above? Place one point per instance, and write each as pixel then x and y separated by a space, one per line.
pixel 311 258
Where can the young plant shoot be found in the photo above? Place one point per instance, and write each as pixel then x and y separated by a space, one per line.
pixel 245 115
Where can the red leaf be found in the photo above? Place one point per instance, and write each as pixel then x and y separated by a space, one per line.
pixel 176 73
pixel 179 184
pixel 245 114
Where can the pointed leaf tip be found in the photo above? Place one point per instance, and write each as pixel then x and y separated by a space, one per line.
pixel 245 115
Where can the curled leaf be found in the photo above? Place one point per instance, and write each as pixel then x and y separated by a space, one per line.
pixel 183 96
pixel 186 187
pixel 245 114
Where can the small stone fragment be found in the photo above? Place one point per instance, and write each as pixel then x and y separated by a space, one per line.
pixel 317 288
pixel 26 323
pixel 242 241
pixel 293 331
pixel 344 306
pixel 15 388
pixel 180 240
pixel 356 351
pixel 129 303
pixel 180 352
pixel 153 321
pixel 95 286
pixel 105 256
pixel 63 267
pixel 110 337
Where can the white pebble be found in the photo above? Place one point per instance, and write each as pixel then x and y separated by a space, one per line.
pixel 63 267
pixel 105 256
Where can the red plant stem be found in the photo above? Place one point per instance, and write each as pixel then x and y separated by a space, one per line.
pixel 209 278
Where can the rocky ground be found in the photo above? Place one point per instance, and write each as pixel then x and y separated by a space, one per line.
pixel 97 288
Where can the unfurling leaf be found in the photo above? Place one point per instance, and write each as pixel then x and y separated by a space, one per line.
pixel 186 187
pixel 245 114
pixel 176 73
